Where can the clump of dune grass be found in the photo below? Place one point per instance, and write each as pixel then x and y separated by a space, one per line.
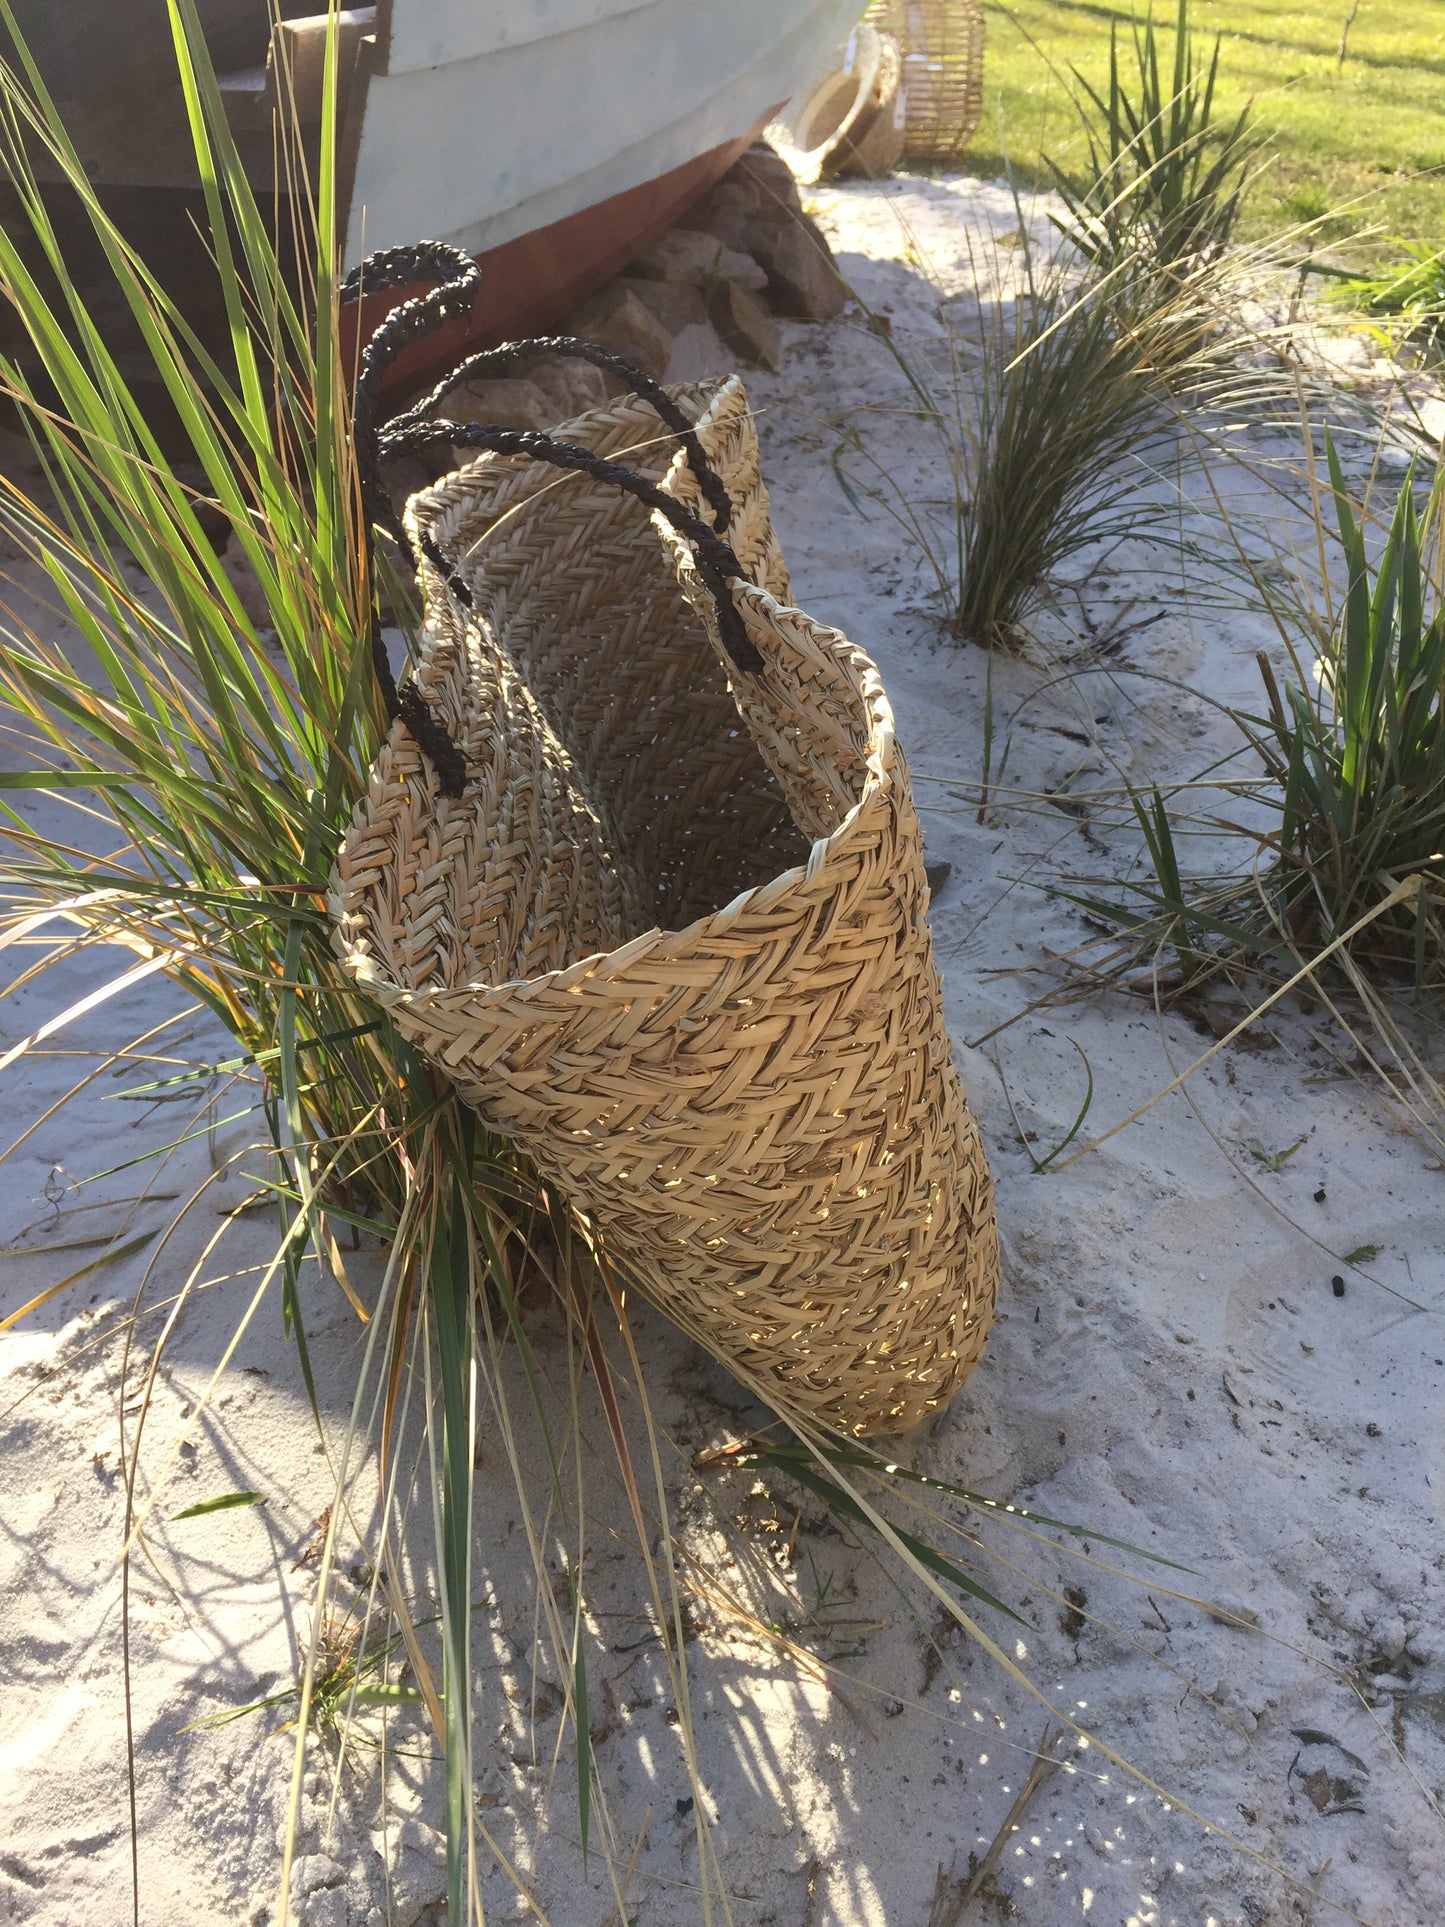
pixel 1402 299
pixel 221 755
pixel 1356 747
pixel 1352 750
pixel 1336 800
pixel 1057 401
pixel 1055 395
pixel 1080 379
pixel 1070 411
pixel 1165 176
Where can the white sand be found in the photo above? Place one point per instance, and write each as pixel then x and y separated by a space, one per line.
pixel 1170 1366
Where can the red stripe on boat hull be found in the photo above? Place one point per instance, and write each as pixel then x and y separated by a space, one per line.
pixel 529 283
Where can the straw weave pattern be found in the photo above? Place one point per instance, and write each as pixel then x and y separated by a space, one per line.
pixel 673 938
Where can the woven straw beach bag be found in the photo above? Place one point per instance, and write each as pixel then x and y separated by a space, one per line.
pixel 671 936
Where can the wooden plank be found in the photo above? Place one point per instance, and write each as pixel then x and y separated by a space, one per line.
pixel 110 65
pixel 298 51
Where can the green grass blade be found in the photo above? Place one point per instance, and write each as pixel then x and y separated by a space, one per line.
pixel 223 1503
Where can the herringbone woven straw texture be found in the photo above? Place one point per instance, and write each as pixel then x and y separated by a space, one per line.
pixel 673 940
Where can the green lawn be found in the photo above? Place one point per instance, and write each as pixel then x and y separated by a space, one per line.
pixel 1339 134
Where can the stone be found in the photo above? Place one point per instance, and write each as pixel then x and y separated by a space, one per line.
pixel 737 193
pixel 313 1871
pixel 690 254
pixel 511 401
pixel 569 386
pixel 803 281
pixel 675 304
pixel 617 319
pixel 731 225
pixel 329 1908
pixel 699 354
pixel 754 210
pixel 745 328
pixel 771 174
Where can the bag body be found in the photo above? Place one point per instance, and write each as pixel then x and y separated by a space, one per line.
pixel 672 936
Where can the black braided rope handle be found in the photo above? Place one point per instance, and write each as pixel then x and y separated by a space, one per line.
pixel 516 354
pixel 714 557
pixel 458 278
pixel 411 321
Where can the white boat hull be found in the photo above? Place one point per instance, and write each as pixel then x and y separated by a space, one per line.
pixel 486 120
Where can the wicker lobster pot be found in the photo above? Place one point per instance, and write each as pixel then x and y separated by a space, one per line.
pixel 942 44
pixel 672 937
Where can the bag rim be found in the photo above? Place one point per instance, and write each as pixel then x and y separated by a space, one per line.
pixel 878 784
pixel 760 612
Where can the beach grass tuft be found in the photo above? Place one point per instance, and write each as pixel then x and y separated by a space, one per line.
pixel 1163 178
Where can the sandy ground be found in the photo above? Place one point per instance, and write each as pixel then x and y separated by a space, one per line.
pixel 1170 1366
